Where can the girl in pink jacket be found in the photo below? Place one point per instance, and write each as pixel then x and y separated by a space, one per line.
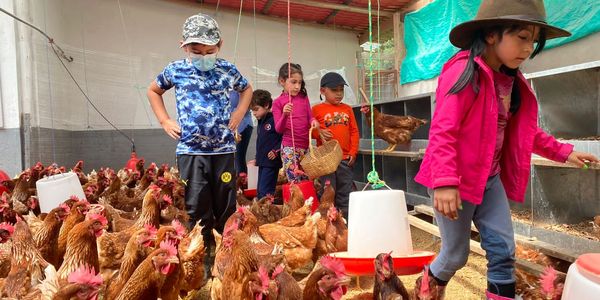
pixel 483 133
pixel 293 119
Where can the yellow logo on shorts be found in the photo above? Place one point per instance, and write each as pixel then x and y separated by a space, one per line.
pixel 226 177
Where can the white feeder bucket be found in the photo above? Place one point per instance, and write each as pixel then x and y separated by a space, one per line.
pixel 583 278
pixel 54 190
pixel 378 222
pixel 252 176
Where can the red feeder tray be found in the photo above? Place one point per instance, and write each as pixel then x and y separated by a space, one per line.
pixel 403 265
pixel 250 193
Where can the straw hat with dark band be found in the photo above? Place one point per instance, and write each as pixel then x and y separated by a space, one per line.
pixel 498 12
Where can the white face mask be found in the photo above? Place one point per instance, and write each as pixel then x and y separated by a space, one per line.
pixel 204 62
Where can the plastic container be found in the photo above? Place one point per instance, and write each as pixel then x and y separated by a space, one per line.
pixel 54 190
pixel 252 175
pixel 133 160
pixel 308 190
pixel 378 223
pixel 403 265
pixel 250 193
pixel 3 177
pixel 583 278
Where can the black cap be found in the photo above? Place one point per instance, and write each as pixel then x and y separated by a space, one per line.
pixel 332 80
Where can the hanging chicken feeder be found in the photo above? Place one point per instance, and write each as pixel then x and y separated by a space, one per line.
pixel 133 160
pixel 3 177
pixel 55 189
pixel 583 278
pixel 378 223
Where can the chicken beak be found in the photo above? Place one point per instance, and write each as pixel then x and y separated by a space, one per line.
pixel 344 280
pixel 173 260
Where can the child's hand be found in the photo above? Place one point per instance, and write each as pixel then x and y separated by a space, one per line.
pixel 581 159
pixel 446 200
pixel 171 128
pixel 315 124
pixel 351 161
pixel 326 134
pixel 271 155
pixel 287 109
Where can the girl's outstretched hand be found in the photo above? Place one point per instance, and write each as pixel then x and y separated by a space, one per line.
pixel 581 159
pixel 446 200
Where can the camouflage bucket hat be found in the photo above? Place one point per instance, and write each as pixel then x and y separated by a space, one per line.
pixel 201 29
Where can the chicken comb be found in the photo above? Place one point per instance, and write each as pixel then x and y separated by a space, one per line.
pixel 169 246
pixel 242 209
pixel 98 217
pixel 264 277
pixel 154 187
pixel 168 199
pixel 242 174
pixel 327 182
pixel 278 270
pixel 74 198
pixel 151 229
pixel 547 281
pixel 334 265
pixel 65 207
pixel 8 227
pixel 424 290
pixel 85 274
pixel 178 227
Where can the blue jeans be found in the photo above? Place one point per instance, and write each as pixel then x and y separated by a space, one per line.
pixel 493 220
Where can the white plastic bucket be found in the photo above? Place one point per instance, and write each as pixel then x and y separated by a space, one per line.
pixel 378 222
pixel 54 190
pixel 252 176
pixel 582 284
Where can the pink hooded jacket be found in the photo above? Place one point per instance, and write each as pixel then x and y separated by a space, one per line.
pixel 462 137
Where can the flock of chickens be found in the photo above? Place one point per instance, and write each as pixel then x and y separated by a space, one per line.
pixel 126 241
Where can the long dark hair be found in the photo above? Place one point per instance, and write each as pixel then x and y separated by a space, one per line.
pixel 477 48
pixel 286 70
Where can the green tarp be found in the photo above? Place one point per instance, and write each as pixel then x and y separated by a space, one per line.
pixel 426 31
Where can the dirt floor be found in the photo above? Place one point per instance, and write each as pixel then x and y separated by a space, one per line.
pixel 469 283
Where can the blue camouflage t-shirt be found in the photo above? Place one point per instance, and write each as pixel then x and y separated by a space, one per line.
pixel 203 106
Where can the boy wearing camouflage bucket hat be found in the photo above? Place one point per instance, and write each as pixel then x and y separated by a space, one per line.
pixel 205 124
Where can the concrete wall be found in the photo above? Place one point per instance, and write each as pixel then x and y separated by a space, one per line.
pixel 117 52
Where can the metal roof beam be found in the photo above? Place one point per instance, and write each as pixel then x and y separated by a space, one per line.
pixel 342 7
pixel 334 12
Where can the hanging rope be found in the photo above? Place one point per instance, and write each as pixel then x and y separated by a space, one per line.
pixel 255 46
pixel 237 32
pixel 60 54
pixel 373 176
pixel 289 40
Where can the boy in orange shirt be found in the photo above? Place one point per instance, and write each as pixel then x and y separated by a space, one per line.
pixel 337 122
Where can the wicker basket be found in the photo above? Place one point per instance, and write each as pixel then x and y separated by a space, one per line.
pixel 322 160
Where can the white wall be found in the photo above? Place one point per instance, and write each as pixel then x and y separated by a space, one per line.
pixel 115 64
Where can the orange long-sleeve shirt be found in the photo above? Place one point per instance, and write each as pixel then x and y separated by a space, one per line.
pixel 340 120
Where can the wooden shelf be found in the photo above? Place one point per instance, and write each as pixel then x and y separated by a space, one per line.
pixel 540 161
pixel 410 154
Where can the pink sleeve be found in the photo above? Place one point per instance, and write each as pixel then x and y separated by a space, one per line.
pixel 445 126
pixel 279 117
pixel 309 110
pixel 548 147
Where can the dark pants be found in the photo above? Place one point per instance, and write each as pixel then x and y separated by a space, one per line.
pixel 343 183
pixel 267 181
pixel 209 191
pixel 241 149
